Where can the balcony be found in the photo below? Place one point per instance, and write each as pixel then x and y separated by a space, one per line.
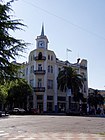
pixel 39 89
pixel 39 58
pixel 39 71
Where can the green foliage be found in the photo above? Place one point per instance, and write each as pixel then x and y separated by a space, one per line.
pixel 10 47
pixel 18 92
pixel 95 99
pixel 3 93
pixel 68 78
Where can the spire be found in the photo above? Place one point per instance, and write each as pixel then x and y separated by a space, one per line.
pixel 42 32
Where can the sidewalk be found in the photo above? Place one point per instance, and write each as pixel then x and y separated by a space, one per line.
pixel 103 116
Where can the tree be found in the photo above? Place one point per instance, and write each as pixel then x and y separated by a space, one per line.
pixel 10 47
pixel 3 95
pixel 18 92
pixel 95 99
pixel 69 79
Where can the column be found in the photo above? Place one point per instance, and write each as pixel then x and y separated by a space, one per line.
pixel 45 102
pixel 55 89
pixel 45 84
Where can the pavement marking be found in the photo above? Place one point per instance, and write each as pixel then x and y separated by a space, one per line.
pixel 2 133
pixel 50 136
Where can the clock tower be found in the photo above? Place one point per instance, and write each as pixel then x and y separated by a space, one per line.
pixel 42 41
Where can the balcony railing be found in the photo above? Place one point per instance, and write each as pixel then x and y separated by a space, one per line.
pixel 39 89
pixel 39 71
pixel 40 58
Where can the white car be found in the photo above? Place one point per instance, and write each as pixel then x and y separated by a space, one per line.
pixel 18 111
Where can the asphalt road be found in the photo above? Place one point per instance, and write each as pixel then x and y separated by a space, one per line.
pixel 16 125
pixel 53 124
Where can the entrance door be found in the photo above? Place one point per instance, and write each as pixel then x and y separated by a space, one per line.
pixel 49 106
pixel 40 107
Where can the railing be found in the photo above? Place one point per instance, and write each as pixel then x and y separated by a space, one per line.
pixel 39 89
pixel 39 71
pixel 39 58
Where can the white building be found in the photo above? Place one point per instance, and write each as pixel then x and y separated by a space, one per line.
pixel 41 72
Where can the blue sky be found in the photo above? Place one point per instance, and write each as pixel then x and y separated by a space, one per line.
pixel 78 25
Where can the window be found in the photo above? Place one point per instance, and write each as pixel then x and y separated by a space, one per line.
pixel 49 106
pixel 51 57
pixel 50 84
pixel 49 97
pixel 32 82
pixel 39 67
pixel 39 82
pixel 39 56
pixel 85 89
pixel 48 57
pixel 31 58
pixel 48 69
pixel 26 71
pixel 59 69
pixel 23 72
pixel 32 69
pixel 51 69
pixel 39 97
pixel 60 98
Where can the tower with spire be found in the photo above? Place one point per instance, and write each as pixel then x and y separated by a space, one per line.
pixel 42 40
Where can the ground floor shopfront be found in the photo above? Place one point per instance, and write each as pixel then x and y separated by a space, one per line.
pixel 47 103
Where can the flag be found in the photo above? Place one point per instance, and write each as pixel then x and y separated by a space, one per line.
pixel 69 50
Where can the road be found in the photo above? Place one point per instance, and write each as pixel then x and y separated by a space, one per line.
pixel 51 127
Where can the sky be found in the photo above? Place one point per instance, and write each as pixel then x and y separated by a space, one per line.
pixel 78 25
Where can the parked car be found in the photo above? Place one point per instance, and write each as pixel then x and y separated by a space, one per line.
pixel 0 113
pixel 18 111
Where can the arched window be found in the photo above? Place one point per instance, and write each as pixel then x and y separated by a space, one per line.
pixel 40 55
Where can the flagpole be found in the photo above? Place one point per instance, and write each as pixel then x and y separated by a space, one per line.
pixel 66 54
pixel 67 50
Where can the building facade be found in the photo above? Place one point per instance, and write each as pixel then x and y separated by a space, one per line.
pixel 41 72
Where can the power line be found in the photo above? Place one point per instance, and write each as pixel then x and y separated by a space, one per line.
pixel 67 21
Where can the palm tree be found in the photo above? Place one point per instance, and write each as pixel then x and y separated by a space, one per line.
pixel 68 78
